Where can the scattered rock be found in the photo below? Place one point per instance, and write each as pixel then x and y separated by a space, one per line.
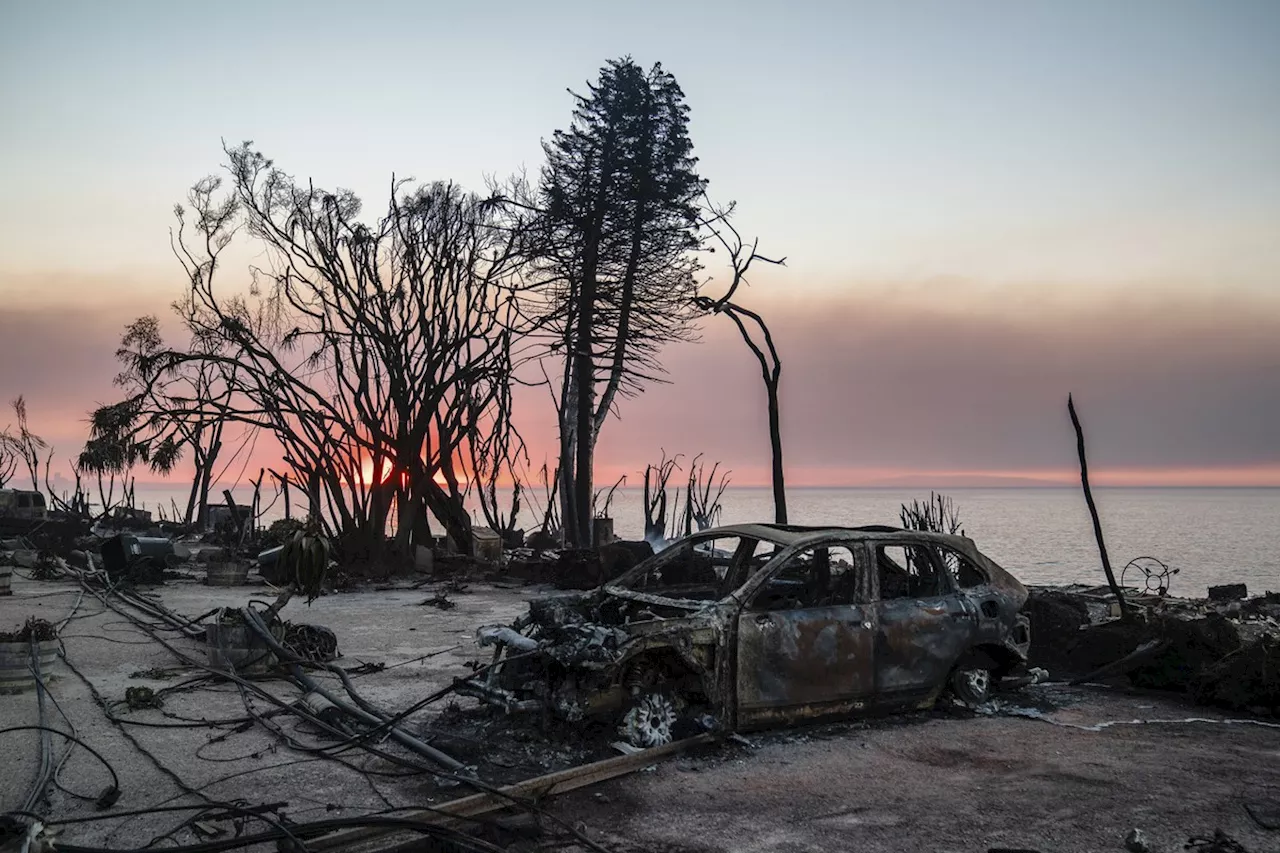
pixel 1136 842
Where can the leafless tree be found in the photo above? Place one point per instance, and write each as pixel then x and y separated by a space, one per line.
pixel 364 349
pixel 600 509
pixel 656 479
pixel 936 515
pixel 551 522
pixel 752 327
pixel 704 506
pixel 173 408
pixel 28 446
pixel 496 449
pixel 9 456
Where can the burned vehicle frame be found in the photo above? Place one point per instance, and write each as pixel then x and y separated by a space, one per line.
pixel 758 625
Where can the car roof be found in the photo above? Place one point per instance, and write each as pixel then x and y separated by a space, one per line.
pixel 791 534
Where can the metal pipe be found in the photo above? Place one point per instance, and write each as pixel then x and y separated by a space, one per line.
pixel 492 634
pixel 254 621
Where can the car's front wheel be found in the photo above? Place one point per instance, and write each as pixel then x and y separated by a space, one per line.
pixel 971 683
pixel 651 719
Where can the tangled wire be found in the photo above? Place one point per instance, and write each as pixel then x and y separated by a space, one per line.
pixel 310 642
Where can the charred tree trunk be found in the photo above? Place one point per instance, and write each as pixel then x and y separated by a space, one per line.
pixel 775 445
pixel 1093 511
pixel 451 513
pixel 565 474
pixel 771 371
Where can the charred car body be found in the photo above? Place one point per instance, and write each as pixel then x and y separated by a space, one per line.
pixel 750 626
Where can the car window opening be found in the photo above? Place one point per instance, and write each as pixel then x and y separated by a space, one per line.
pixel 821 576
pixel 907 571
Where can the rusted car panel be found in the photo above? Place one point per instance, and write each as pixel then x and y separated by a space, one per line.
pixel 812 658
pixel 919 642
pixel 775 628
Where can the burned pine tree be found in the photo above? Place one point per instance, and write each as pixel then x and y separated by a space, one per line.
pixel 615 267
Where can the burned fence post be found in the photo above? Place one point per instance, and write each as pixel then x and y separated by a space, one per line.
pixel 1093 511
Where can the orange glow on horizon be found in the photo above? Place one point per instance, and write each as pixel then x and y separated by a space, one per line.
pixel 1261 476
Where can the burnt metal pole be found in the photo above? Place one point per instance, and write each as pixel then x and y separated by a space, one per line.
pixel 1093 511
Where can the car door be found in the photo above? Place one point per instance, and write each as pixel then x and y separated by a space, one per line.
pixel 924 625
pixel 806 637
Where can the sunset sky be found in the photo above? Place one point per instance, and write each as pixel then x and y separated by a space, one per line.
pixel 984 205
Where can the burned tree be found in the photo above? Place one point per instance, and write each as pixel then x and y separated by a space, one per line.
pixel 936 515
pixel 1125 609
pixel 363 349
pixel 751 326
pixel 174 407
pixel 25 445
pixel 9 456
pixel 704 492
pixel 656 478
pixel 618 218
pixel 494 449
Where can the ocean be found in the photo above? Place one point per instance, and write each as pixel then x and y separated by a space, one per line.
pixel 1041 535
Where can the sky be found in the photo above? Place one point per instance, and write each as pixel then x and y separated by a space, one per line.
pixel 983 205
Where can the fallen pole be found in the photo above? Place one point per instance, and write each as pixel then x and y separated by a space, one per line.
pixel 538 788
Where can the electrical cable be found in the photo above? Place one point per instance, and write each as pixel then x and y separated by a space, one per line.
pixel 379 722
pixel 461 840
pixel 115 780
pixel 102 703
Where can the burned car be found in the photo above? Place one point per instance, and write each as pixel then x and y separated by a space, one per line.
pixel 757 625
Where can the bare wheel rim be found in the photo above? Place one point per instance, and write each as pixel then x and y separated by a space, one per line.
pixel 974 685
pixel 649 722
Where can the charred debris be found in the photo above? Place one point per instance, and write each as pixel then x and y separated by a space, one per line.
pixel 638 654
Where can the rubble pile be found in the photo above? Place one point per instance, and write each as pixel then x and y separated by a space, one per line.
pixel 1246 679
pixel 1220 651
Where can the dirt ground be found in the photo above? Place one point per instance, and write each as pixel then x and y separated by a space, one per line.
pixel 938 783
pixel 1044 775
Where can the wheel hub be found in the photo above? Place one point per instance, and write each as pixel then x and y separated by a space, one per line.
pixel 979 681
pixel 649 722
